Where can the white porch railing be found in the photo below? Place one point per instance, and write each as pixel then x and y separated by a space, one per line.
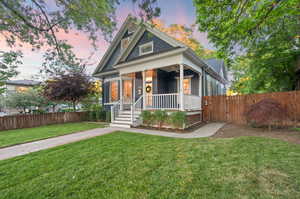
pixel 162 101
pixel 192 102
pixel 136 107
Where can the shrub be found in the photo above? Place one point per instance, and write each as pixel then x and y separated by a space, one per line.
pixel 147 117
pixel 178 119
pixel 96 113
pixel 160 117
pixel 266 112
pixel 107 116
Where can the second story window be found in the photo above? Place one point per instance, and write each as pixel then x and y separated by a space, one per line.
pixel 146 48
pixel 125 43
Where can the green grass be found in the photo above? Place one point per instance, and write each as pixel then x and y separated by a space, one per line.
pixel 296 129
pixel 18 136
pixel 127 165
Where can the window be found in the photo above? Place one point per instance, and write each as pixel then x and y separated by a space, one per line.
pixel 125 43
pixel 131 28
pixel 187 86
pixel 146 48
pixel 113 91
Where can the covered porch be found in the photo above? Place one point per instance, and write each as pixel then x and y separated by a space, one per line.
pixel 175 87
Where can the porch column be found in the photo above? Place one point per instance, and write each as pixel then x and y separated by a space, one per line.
pixel 181 87
pixel 121 93
pixel 200 88
pixel 144 89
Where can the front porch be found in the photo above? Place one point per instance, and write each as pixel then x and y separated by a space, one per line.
pixel 168 88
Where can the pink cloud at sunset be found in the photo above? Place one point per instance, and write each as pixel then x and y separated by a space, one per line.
pixel 172 12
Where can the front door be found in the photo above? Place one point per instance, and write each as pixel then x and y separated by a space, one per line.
pixel 127 91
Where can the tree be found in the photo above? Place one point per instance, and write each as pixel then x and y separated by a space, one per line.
pixel 26 100
pixel 260 39
pixel 2 103
pixel 9 61
pixel 185 35
pixel 71 87
pixel 37 22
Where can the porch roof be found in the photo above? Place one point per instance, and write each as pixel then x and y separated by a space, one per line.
pixel 172 57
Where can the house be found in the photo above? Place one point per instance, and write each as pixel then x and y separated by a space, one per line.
pixel 146 69
pixel 19 85
pixel 12 86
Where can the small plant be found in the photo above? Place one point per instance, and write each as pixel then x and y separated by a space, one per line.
pixel 178 119
pixel 160 117
pixel 147 117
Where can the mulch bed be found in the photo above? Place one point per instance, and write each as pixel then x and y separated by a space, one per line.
pixel 232 130
pixel 188 130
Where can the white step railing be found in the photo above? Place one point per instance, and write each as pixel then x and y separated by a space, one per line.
pixel 192 102
pixel 137 106
pixel 162 101
pixel 114 111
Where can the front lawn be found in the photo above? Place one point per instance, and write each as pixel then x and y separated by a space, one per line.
pixel 128 165
pixel 18 136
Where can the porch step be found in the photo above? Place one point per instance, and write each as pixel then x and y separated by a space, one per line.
pixel 122 122
pixel 120 125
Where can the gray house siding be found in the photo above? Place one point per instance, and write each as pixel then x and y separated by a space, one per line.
pixel 113 58
pixel 158 45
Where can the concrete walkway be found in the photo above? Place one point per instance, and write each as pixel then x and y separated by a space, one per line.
pixel 13 151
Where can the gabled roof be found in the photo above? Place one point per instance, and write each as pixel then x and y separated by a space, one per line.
pixel 113 44
pixel 213 66
pixel 218 65
pixel 23 82
pixel 139 33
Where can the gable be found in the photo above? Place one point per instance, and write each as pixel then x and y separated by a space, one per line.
pixel 113 52
pixel 112 60
pixel 159 45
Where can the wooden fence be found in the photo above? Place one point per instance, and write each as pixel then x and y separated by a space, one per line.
pixel 232 108
pixel 34 120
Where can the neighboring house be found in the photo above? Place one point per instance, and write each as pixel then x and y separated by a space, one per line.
pixel 17 86
pixel 145 69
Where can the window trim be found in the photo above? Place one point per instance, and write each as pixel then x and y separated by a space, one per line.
pixel 145 45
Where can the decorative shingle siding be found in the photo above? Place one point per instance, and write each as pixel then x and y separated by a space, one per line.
pixel 158 45
pixel 113 58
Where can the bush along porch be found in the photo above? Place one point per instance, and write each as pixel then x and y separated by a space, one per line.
pixel 169 119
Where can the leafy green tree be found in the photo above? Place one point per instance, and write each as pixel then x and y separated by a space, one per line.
pixel 185 35
pixel 29 99
pixel 260 39
pixel 37 22
pixel 2 103
pixel 9 62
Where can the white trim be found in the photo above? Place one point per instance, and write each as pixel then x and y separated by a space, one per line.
pixel 112 79
pixel 135 38
pixel 113 45
pixel 154 57
pixel 193 112
pixel 185 77
pixel 146 45
pixel 143 27
pixel 106 73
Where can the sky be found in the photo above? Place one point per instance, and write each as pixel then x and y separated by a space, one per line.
pixel 172 12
